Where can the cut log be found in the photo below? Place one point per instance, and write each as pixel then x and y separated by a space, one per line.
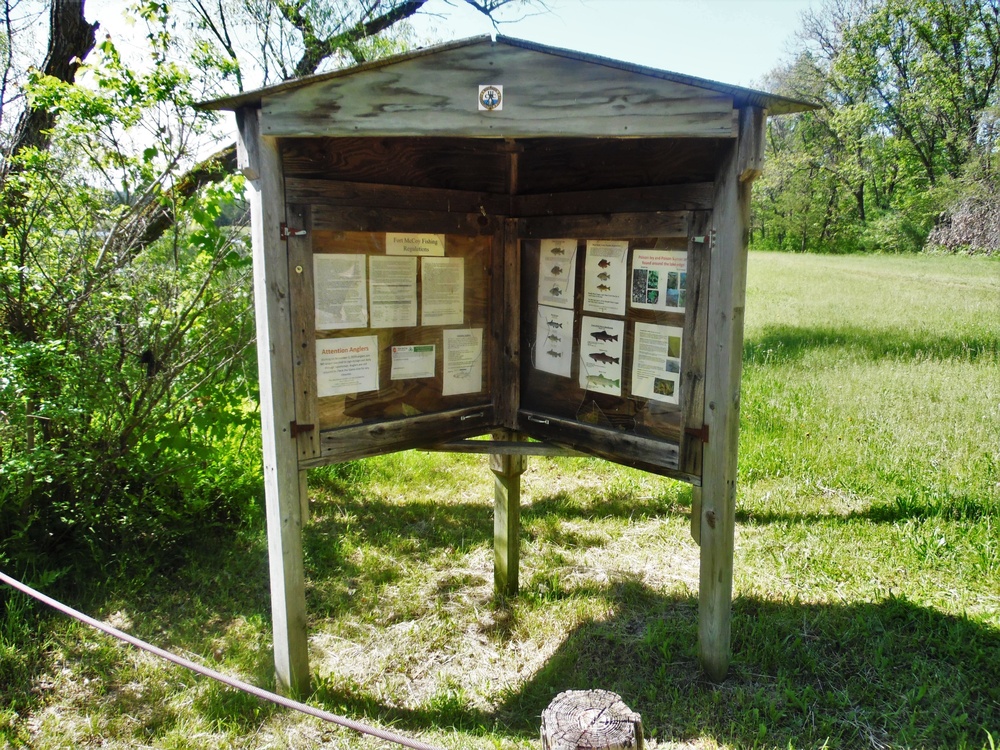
pixel 590 720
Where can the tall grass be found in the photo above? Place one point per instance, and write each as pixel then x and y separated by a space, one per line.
pixel 866 610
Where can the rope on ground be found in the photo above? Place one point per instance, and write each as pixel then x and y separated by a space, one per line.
pixel 211 673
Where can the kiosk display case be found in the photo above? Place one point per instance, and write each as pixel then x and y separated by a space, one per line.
pixel 493 237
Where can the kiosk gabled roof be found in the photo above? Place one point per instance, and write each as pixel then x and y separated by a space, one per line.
pixel 427 92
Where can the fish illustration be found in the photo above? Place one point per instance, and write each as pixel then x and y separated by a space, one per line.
pixel 602 357
pixel 556 270
pixel 553 338
pixel 555 291
pixel 553 353
pixel 604 336
pixel 553 324
pixel 602 382
pixel 604 263
pixel 604 276
pixel 558 251
pixel 603 288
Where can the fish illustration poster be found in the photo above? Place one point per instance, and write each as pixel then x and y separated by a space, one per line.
pixel 557 273
pixel 656 363
pixel 659 280
pixel 604 277
pixel 554 341
pixel 601 344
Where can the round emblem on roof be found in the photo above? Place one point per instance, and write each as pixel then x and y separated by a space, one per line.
pixel 490 98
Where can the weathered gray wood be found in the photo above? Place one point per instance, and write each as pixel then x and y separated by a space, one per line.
pixel 697 196
pixel 695 340
pixel 590 720
pixel 507 469
pixel 696 514
pixel 664 224
pixel 509 390
pixel 335 193
pixel 364 219
pixel 303 326
pixel 372 439
pixel 503 447
pixel 659 456
pixel 722 400
pixel 544 95
pixel 277 408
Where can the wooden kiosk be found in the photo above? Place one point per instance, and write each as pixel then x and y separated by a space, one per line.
pixel 498 237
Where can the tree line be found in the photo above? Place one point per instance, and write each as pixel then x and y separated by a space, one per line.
pixel 905 137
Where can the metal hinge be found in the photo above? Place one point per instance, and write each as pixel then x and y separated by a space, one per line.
pixel 287 231
pixel 698 432
pixel 297 429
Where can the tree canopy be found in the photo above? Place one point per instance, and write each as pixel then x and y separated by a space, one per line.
pixel 907 91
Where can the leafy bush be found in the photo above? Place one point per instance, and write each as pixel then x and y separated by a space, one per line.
pixel 127 402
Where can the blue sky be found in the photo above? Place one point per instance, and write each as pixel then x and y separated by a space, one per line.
pixel 733 41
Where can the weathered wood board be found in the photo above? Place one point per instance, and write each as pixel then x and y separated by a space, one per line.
pixel 542 95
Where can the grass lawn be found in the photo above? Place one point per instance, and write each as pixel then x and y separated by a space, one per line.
pixel 866 608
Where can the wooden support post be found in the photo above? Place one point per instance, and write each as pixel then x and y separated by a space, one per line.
pixel 722 392
pixel 507 470
pixel 261 164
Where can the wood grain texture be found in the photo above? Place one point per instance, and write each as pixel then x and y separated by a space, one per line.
pixel 277 407
pixel 544 95
pixel 695 340
pixel 475 165
pixel 608 226
pixel 376 438
pixel 578 164
pixel 368 195
pixel 722 401
pixel 507 469
pixel 303 312
pixel 697 196
pixel 590 720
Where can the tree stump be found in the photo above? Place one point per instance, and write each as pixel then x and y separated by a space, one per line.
pixel 590 720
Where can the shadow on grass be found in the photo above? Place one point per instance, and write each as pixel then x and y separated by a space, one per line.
pixel 884 674
pixel 786 344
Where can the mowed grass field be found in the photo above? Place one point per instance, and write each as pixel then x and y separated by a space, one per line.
pixel 866 608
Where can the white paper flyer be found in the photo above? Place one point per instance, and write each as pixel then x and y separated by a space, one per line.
pixel 442 283
pixel 601 345
pixel 393 291
pixel 604 277
pixel 554 341
pixel 463 361
pixel 346 365
pixel 659 280
pixel 414 361
pixel 557 273
pixel 656 362
pixel 340 294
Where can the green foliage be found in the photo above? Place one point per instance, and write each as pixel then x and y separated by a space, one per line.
pixel 127 401
pixel 904 89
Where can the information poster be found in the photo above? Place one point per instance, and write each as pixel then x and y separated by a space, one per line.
pixel 554 341
pixel 557 273
pixel 346 365
pixel 601 344
pixel 393 291
pixel 399 243
pixel 416 361
pixel 442 291
pixel 339 283
pixel 659 280
pixel 463 361
pixel 604 277
pixel 656 362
